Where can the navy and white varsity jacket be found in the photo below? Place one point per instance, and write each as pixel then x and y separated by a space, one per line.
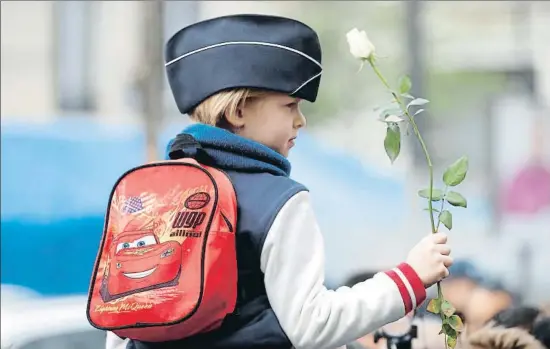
pixel 283 302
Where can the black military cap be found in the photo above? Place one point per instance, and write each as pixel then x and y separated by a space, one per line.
pixel 243 51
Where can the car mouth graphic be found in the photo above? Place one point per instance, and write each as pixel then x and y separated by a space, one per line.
pixel 141 274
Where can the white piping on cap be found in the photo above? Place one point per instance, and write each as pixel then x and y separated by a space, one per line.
pixel 307 82
pixel 245 43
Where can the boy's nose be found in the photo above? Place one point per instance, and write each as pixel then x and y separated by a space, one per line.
pixel 300 120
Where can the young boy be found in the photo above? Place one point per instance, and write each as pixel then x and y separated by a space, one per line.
pixel 241 78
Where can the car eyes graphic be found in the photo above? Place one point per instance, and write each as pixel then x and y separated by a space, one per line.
pixel 141 242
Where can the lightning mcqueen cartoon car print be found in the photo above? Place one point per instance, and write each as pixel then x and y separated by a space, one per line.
pixel 138 263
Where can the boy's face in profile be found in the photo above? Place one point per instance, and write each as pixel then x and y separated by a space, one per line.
pixel 272 119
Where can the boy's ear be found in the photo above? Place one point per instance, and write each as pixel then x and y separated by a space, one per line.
pixel 235 117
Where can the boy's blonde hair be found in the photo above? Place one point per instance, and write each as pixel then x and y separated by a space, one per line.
pixel 215 109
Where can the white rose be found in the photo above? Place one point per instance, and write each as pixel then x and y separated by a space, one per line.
pixel 359 44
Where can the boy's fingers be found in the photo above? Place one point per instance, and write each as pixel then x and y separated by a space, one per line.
pixel 439 238
pixel 443 249
pixel 447 261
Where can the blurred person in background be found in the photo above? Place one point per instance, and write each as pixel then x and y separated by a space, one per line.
pixel 529 190
pixel 485 302
pixel 512 328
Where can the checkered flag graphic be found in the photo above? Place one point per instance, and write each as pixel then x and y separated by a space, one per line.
pixel 136 204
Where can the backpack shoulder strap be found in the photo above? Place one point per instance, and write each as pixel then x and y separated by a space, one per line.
pixel 184 146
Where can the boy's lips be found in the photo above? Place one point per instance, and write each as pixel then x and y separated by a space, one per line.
pixel 292 141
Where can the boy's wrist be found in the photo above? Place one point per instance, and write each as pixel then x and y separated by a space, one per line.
pixel 411 287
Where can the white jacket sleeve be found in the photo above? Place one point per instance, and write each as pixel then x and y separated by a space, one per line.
pixel 312 316
pixel 115 342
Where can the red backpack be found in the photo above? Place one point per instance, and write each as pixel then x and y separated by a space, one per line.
pixel 167 267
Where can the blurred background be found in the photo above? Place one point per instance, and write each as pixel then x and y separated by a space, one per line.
pixel 84 98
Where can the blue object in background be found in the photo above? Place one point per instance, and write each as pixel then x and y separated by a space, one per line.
pixel 57 177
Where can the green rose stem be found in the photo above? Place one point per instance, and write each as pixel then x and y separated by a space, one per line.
pixel 420 139
pixel 451 324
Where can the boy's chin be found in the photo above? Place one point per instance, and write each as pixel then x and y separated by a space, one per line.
pixel 284 153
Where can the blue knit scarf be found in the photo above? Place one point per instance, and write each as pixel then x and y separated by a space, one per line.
pixel 229 151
